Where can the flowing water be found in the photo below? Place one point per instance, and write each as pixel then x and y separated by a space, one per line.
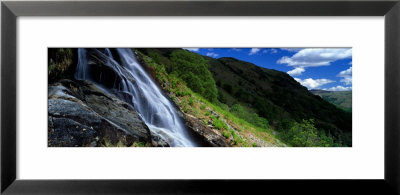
pixel 133 83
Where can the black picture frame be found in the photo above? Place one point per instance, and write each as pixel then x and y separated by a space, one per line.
pixel 10 10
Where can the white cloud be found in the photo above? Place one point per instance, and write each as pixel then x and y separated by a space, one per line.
pixel 296 71
pixel 236 49
pixel 313 84
pixel 192 49
pixel 254 51
pixel 314 57
pixel 211 54
pixel 346 76
pixel 271 51
pixel 338 88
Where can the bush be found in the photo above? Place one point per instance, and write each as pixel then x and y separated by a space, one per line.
pixel 305 134
pixel 193 69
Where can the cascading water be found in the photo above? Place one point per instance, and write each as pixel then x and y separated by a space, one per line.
pixel 134 84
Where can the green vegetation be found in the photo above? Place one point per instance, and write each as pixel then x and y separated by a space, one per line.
pixel 226 134
pixel 139 144
pixel 192 69
pixel 250 117
pixel 219 124
pixel 243 101
pixel 305 134
pixel 341 99
pixel 277 97
pixel 61 64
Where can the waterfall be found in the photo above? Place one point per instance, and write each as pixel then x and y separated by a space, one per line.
pixel 130 82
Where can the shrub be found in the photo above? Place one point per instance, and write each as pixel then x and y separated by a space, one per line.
pixel 305 134
pixel 193 69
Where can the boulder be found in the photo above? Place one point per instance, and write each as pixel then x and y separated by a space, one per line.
pixel 84 114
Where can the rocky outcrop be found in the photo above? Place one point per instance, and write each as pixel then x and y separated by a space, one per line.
pixel 205 132
pixel 83 114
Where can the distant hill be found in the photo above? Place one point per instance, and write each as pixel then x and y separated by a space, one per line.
pixel 342 99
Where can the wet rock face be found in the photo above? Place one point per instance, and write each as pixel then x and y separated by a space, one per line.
pixel 82 114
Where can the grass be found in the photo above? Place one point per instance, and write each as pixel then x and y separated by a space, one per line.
pixel 226 134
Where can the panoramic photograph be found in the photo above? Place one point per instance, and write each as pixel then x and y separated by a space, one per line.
pixel 199 97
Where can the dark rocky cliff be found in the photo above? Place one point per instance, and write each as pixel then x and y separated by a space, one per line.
pixel 83 114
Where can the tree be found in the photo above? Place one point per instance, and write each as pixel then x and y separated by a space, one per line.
pixel 193 69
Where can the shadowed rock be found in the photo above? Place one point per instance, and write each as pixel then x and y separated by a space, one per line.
pixel 82 114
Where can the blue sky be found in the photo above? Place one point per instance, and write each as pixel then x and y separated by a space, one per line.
pixel 314 68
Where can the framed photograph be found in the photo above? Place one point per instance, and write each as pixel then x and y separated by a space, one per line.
pixel 199 97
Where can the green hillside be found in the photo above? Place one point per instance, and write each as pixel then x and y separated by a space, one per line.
pixel 342 99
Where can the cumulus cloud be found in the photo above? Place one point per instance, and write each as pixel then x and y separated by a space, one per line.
pixel 338 88
pixel 254 51
pixel 296 71
pixel 346 76
pixel 313 83
pixel 314 57
pixel 211 54
pixel 192 49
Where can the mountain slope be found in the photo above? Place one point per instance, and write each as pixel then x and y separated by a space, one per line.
pixel 276 96
pixel 342 99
